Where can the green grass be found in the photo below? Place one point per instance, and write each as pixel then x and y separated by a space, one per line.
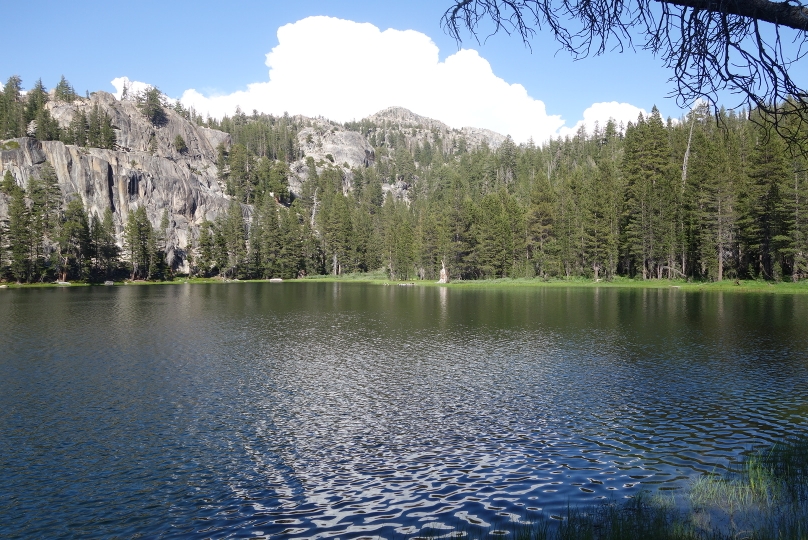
pixel 767 493
pixel 755 286
pixel 765 497
pixel 641 517
pixel 381 278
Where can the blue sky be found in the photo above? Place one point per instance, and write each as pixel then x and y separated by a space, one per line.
pixel 220 48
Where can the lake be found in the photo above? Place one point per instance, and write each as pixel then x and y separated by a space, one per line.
pixel 322 410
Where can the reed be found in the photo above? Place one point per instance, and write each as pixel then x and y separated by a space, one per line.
pixel 764 497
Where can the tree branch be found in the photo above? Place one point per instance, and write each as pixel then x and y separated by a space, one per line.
pixel 779 13
pixel 712 46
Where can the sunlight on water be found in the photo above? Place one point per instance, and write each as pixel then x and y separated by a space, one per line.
pixel 320 410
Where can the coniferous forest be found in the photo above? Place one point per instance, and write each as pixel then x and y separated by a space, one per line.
pixel 704 197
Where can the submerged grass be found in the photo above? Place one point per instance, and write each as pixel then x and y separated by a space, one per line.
pixel 766 494
pixel 765 497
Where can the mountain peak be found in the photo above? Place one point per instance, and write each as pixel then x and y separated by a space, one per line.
pixel 406 118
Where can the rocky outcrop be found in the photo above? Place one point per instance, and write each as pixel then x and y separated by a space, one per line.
pixel 421 127
pixel 329 145
pixel 337 146
pixel 402 117
pixel 134 131
pixel 122 181
pixel 332 145
pixel 146 169
pixel 184 183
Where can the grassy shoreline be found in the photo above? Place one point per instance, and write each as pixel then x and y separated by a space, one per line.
pixel 750 286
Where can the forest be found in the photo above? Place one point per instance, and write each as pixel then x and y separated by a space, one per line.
pixel 704 197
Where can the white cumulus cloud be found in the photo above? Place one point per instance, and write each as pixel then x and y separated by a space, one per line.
pixel 600 113
pixel 133 88
pixel 344 70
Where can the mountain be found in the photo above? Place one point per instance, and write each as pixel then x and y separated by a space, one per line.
pixel 354 144
pixel 146 169
pixel 419 126
pixel 132 175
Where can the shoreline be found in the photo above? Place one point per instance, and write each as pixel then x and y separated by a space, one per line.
pixel 741 286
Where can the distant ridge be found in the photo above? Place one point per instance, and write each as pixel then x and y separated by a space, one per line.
pixel 406 118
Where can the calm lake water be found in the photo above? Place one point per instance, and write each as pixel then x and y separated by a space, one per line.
pixel 318 410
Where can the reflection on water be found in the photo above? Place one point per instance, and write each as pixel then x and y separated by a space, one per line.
pixel 345 409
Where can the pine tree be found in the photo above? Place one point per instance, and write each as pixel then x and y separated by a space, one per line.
pixel 649 214
pixel 45 219
pixel 94 127
pixel 48 199
pixel 138 236
pixel 12 111
pixel 47 128
pixel 541 237
pixel 398 240
pixel 179 144
pixel 797 208
pixel 36 99
pixel 764 226
pixel 206 247
pixel 220 254
pixel 715 201
pixel 9 184
pixel 493 247
pixel 19 236
pixel 152 144
pixel 108 139
pixel 151 103
pixel 65 92
pixel 74 242
pixel 162 241
pixel 3 248
pixel 76 132
pixel 221 161
pixel 231 240
pixel 110 249
pixel 268 238
pixel 105 251
pixel 291 254
pixel 602 221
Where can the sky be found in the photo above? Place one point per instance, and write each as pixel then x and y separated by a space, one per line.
pixel 340 59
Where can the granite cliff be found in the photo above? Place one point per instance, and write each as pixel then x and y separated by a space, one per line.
pixel 146 169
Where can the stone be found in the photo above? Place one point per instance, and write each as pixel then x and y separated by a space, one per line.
pixel 131 176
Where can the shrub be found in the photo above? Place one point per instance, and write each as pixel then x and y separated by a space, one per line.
pixel 179 144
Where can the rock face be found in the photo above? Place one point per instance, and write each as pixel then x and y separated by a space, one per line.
pixel 183 183
pixel 404 118
pixel 134 131
pixel 398 123
pixel 329 144
pixel 147 170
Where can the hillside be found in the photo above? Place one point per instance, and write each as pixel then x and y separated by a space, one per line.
pixel 264 196
pixel 145 169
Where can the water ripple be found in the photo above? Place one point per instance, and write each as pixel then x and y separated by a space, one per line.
pixel 322 410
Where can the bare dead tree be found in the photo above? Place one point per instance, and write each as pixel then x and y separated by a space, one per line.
pixel 712 46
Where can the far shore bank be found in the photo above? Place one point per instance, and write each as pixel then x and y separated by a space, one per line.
pixel 751 286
